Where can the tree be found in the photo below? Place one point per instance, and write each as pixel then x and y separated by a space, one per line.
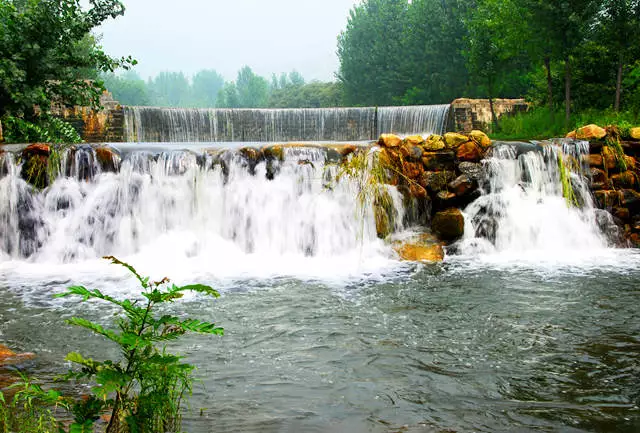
pixel 46 49
pixel 253 90
pixel 205 87
pixel 128 88
pixel 228 96
pixel 621 20
pixel 170 89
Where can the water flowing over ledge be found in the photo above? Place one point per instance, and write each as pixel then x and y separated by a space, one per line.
pixel 149 124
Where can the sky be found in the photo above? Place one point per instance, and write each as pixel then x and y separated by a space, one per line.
pixel 270 36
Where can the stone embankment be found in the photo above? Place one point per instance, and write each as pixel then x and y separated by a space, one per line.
pixel 615 175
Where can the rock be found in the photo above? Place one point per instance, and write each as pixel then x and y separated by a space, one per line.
pixel 631 162
pixel 634 133
pixel 453 140
pixel 609 158
pixel 252 154
pixel 35 170
pixel 593 159
pixel 411 152
pixel 275 152
pixel 480 138
pixel 621 213
pixel 437 181
pixel 469 151
pixel 607 199
pixel 36 149
pixel 412 170
pixel 108 158
pixel 448 224
pixel 598 176
pixel 418 191
pixel 591 132
pixel 623 180
pixel 383 212
pixel 389 140
pixel 631 200
pixel 9 357
pixel 461 185
pixel 572 134
pixel 434 143
pixel 346 150
pixel 473 170
pixel 437 161
pixel 420 253
pixel 414 140
pixel 445 196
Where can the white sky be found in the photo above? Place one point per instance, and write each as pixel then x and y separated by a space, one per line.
pixel 268 35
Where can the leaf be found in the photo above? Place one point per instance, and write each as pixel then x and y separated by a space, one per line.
pixel 200 288
pixel 194 325
pixel 94 327
pixel 143 281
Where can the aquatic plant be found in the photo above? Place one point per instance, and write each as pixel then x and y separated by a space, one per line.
pixel 143 391
pixel 565 179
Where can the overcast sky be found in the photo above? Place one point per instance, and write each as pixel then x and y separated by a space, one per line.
pixel 268 35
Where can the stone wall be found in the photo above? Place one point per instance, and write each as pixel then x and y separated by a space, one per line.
pixel 475 114
pixel 104 126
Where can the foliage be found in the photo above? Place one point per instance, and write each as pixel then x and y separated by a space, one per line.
pixel 565 179
pixel 45 129
pixel 143 390
pixel 47 54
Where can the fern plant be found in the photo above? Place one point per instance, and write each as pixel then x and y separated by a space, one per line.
pixel 143 390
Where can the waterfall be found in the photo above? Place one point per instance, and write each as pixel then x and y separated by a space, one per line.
pixel 219 205
pixel 524 207
pixel 149 124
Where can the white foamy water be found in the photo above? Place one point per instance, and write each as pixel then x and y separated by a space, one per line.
pixel 187 215
pixel 524 216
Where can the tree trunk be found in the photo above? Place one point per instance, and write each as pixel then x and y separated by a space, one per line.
pixel 567 91
pixel 619 83
pixel 547 66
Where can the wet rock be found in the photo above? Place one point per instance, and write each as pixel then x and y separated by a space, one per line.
pixel 414 140
pixel 631 200
pixel 480 138
pixel 108 158
pixel 472 170
pixel 346 149
pixel 438 161
pixel 610 160
pixel 418 191
pixel 389 140
pixel 453 140
pixel 607 199
pixel 634 133
pixel 448 224
pixel 590 132
pixel 572 134
pixel 469 151
pixel 631 162
pixel 412 170
pixel 423 248
pixel 36 149
pixel 598 178
pixel 273 152
pixel 411 152
pixel 622 213
pixel 384 214
pixel 445 198
pixel 461 185
pixel 437 181
pixel 9 357
pixel 434 143
pixel 627 179
pixel 593 159
pixel 35 170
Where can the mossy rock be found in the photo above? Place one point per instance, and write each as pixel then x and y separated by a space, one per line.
pixel 414 140
pixel 434 143
pixel 448 224
pixel 35 170
pixel 480 138
pixel 591 132
pixel 634 133
pixel 389 140
pixel 453 140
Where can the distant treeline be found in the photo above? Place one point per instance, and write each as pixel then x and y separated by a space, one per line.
pixel 208 89
pixel 580 54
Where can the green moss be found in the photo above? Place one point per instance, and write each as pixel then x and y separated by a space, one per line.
pixel 565 178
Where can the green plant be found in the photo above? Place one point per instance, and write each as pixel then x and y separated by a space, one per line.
pixel 144 390
pixel 44 129
pixel 565 178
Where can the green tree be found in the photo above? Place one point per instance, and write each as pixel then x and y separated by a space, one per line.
pixel 170 89
pixel 46 51
pixel 253 90
pixel 228 96
pixel 205 87
pixel 128 88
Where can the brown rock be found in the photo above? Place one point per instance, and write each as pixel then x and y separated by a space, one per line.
pixel 8 356
pixel 445 196
pixel 591 132
pixel 469 151
pixel 347 149
pixel 480 138
pixel 572 134
pixel 36 149
pixel 434 143
pixel 411 152
pixel 437 181
pixel 412 170
pixel 635 133
pixel 631 162
pixel 448 224
pixel 623 180
pixel 631 200
pixel 414 140
pixel 607 199
pixel 251 153
pixel 598 176
pixel 420 253
pixel 389 140
pixel 461 185
pixel 622 213
pixel 594 159
pixel 437 161
pixel 418 191
pixel 273 152
pixel 108 158
pixel 453 140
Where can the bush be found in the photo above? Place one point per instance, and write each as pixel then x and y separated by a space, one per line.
pixel 44 130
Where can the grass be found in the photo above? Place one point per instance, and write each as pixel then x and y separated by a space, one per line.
pixel 539 123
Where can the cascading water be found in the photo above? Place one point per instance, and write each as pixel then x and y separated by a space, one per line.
pixel 217 207
pixel 536 202
pixel 149 124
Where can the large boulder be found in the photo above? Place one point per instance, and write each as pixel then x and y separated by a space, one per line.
pixel 438 161
pixel 469 151
pixel 414 140
pixel 480 138
pixel 634 133
pixel 591 132
pixel 422 248
pixel 473 170
pixel 108 158
pixel 448 224
pixel 434 143
pixel 461 185
pixel 453 140
pixel 437 181
pixel 593 159
pixel 389 140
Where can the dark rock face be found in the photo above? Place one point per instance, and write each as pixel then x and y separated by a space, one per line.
pixel 448 224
